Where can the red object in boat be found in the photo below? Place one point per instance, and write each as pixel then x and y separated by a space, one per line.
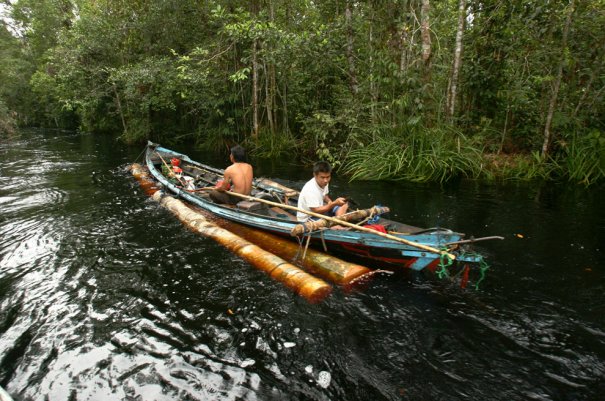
pixel 175 162
pixel 377 227
pixel 464 280
pixel 219 183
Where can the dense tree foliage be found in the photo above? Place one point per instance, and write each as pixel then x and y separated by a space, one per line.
pixel 406 89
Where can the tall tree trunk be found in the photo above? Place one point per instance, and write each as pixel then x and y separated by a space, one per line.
pixel 426 34
pixel 119 104
pixel 372 77
pixel 350 56
pixel 408 39
pixel 403 59
pixel 284 96
pixel 270 81
pixel 269 97
pixel 585 91
pixel 274 97
pixel 254 8
pixel 453 92
pixel 555 93
pixel 254 90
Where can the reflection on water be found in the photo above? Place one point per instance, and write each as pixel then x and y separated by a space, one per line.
pixel 103 295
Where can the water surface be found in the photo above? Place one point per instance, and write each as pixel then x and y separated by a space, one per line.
pixel 106 296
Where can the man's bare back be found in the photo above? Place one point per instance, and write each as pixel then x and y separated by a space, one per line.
pixel 237 177
pixel 240 176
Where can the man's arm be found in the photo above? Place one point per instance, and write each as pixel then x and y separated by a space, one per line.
pixel 225 183
pixel 329 205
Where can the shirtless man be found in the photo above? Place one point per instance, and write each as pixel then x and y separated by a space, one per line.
pixel 237 177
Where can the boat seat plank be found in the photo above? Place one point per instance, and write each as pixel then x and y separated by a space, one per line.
pixel 281 213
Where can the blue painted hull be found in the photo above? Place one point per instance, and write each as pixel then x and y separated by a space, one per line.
pixel 348 242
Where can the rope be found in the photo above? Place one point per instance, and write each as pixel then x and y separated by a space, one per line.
pixel 300 240
pixel 443 271
pixel 323 240
pixel 306 246
pixel 483 266
pixel 374 219
pixel 370 217
pixel 276 196
pixel 140 154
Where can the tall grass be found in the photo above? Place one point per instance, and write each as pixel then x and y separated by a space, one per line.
pixel 437 154
pixel 521 167
pixel 272 146
pixel 584 161
pixel 7 122
pixel 581 161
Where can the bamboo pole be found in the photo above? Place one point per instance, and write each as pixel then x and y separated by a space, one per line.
pixel 343 223
pixel 472 240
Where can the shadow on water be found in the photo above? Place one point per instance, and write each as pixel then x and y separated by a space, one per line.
pixel 104 295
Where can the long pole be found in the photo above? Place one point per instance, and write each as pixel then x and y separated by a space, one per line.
pixel 341 222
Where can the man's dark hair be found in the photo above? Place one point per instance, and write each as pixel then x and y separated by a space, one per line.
pixel 322 167
pixel 239 154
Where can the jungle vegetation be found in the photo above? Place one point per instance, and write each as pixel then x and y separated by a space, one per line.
pixel 404 89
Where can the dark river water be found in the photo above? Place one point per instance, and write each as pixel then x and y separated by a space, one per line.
pixel 104 295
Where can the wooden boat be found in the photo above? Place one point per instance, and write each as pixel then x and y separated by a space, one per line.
pixel 272 207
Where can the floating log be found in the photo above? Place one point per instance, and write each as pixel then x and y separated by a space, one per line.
pixel 311 288
pixel 302 283
pixel 142 176
pixel 357 215
pixel 327 267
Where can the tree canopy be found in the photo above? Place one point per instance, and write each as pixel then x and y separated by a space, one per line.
pixel 406 89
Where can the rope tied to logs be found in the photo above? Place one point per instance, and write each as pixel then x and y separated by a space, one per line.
pixel 370 217
pixel 308 235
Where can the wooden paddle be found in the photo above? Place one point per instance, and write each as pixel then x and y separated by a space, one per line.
pixel 341 222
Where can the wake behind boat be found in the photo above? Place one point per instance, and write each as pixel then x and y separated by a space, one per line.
pixel 272 207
